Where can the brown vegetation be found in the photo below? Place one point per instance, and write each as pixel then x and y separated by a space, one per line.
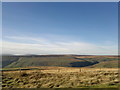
pixel 61 77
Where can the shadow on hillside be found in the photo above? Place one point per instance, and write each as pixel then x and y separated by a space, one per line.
pixel 82 64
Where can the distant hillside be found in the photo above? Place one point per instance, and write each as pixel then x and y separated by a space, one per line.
pixel 59 60
pixel 107 64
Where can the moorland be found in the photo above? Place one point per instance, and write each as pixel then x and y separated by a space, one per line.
pixel 60 71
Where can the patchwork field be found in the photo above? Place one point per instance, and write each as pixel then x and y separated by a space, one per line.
pixel 61 77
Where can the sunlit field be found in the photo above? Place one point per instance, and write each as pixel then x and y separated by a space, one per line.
pixel 61 77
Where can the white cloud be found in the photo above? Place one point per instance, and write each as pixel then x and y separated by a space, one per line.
pixel 26 39
pixel 44 46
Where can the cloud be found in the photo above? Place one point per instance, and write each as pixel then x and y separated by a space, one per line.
pixel 45 46
pixel 25 39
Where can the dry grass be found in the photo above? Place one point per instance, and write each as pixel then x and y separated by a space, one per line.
pixel 61 77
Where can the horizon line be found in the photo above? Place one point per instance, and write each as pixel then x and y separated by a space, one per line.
pixel 58 54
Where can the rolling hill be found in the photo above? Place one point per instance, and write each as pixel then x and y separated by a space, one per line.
pixel 12 61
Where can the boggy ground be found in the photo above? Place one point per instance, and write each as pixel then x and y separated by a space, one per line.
pixel 61 77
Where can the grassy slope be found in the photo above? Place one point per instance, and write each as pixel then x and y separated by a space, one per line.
pixel 7 60
pixel 61 77
pixel 64 61
pixel 106 64
pixel 49 61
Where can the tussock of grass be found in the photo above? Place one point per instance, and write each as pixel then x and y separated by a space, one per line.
pixel 62 78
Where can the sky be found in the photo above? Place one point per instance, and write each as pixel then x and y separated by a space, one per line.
pixel 84 28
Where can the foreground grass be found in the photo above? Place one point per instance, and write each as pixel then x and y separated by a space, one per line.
pixel 61 78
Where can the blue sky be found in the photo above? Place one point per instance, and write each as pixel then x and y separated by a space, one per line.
pixel 60 28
